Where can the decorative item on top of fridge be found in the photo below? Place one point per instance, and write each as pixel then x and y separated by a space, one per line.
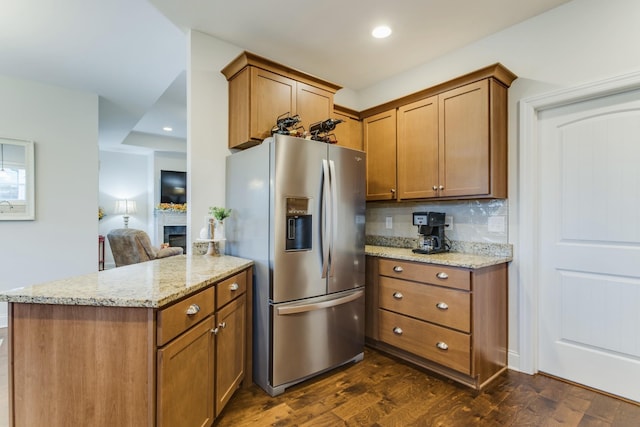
pixel 285 125
pixel 320 131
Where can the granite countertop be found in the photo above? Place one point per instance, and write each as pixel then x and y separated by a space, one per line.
pixel 150 284
pixel 454 259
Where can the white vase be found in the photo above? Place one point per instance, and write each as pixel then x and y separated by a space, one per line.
pixel 219 230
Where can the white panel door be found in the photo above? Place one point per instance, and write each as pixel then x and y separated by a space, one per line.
pixel 589 318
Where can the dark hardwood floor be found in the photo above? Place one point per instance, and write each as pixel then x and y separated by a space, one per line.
pixel 382 391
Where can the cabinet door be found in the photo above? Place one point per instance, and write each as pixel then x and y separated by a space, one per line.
pixel 464 140
pixel 349 132
pixel 418 149
pixel 230 345
pixel 379 132
pixel 313 104
pixel 185 378
pixel 272 95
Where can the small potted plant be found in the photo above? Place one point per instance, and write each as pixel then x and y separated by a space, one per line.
pixel 219 213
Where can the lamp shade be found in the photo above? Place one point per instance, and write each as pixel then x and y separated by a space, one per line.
pixel 126 207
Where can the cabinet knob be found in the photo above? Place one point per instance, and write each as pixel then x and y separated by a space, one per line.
pixel 215 331
pixel 222 325
pixel 234 287
pixel 398 295
pixel 398 269
pixel 434 188
pixel 442 306
pixel 442 275
pixel 397 330
pixel 442 345
pixel 393 190
pixel 441 187
pixel 193 309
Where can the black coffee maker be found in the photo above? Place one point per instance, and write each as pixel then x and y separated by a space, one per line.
pixel 430 232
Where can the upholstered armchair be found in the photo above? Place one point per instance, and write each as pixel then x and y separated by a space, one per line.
pixel 131 246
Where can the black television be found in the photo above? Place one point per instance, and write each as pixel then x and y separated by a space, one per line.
pixel 173 187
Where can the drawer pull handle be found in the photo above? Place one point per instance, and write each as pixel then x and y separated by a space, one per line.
pixel 442 275
pixel 397 330
pixel 442 306
pixel 234 287
pixel 398 295
pixel 193 309
pixel 398 269
pixel 442 345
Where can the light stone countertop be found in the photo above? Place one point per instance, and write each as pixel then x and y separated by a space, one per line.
pixel 453 259
pixel 151 284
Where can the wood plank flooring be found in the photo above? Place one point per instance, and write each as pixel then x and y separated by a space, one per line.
pixel 382 391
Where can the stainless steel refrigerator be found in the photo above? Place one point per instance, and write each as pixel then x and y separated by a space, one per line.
pixel 298 211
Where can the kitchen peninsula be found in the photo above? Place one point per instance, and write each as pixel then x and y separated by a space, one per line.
pixel 163 342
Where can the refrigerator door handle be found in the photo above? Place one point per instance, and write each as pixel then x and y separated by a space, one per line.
pixel 334 214
pixel 326 220
pixel 303 308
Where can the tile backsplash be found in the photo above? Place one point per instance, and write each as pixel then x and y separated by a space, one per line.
pixel 484 221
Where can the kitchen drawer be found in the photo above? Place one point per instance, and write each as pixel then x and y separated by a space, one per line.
pixel 426 273
pixel 179 317
pixel 444 306
pixel 231 288
pixel 425 340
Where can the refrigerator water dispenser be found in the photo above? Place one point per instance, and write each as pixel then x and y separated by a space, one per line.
pixel 299 223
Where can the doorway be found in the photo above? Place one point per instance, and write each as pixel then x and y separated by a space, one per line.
pixel 582 287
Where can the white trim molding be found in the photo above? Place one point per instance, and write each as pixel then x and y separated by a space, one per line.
pixel 530 166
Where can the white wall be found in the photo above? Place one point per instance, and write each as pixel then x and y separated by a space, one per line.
pixel 62 241
pixel 207 122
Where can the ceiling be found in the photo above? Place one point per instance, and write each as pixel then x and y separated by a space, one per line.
pixel 132 53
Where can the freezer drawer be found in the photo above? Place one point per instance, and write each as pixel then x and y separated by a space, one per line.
pixel 315 335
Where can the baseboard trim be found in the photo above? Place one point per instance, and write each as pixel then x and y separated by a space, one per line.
pixel 513 361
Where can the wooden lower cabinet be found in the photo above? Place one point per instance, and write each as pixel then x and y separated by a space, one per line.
pixel 131 366
pixel 185 378
pixel 230 350
pixel 450 320
pixel 199 371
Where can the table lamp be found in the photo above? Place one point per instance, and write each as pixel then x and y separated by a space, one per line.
pixel 125 207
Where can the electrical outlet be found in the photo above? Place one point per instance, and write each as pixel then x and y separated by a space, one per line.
pixel 389 222
pixel 448 222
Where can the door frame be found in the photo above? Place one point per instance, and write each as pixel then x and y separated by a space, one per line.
pixel 529 164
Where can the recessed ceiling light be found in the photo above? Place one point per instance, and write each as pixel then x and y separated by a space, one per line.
pixel 380 32
pixel 167 129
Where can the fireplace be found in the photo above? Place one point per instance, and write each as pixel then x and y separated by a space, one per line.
pixel 171 227
pixel 176 235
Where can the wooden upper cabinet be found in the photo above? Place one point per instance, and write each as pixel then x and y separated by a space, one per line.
pixel 452 139
pixel 261 90
pixel 277 96
pixel 349 132
pixel 465 144
pixel 418 149
pixel 313 104
pixel 379 136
